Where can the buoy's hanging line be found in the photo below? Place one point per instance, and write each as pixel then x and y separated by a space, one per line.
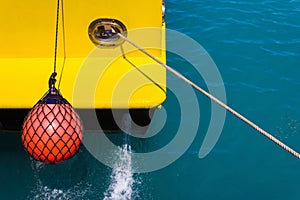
pixel 64 42
pixel 56 38
pixel 256 127
pixel 56 35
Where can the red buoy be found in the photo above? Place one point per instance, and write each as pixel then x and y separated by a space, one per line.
pixel 52 130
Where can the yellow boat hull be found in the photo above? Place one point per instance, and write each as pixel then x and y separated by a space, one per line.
pixel 93 77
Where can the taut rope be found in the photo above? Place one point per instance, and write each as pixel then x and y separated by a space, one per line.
pixel 247 121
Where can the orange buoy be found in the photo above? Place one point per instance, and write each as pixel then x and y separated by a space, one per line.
pixel 52 130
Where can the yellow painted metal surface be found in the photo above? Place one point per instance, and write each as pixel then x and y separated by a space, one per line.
pixel 92 76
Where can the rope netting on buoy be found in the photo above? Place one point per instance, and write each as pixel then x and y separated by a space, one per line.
pixel 52 130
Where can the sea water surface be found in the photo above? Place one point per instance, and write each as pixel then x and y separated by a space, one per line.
pixel 256 47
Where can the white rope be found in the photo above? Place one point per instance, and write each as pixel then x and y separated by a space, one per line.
pixel 256 127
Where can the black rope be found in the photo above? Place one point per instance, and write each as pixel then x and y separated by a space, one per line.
pixel 56 35
pixel 52 79
pixel 64 42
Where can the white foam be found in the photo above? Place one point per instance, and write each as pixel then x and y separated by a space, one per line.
pixel 122 180
pixel 43 192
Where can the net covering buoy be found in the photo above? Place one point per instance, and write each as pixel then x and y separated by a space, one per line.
pixel 52 130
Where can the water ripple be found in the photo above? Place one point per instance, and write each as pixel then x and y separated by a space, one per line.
pixel 258 88
pixel 280 52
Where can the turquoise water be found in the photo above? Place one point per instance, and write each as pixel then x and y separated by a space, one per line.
pixel 256 47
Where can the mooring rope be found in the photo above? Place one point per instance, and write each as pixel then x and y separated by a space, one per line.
pixel 247 121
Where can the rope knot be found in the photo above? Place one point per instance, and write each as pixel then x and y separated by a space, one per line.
pixel 52 81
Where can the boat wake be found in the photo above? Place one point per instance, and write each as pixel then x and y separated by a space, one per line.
pixel 122 180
